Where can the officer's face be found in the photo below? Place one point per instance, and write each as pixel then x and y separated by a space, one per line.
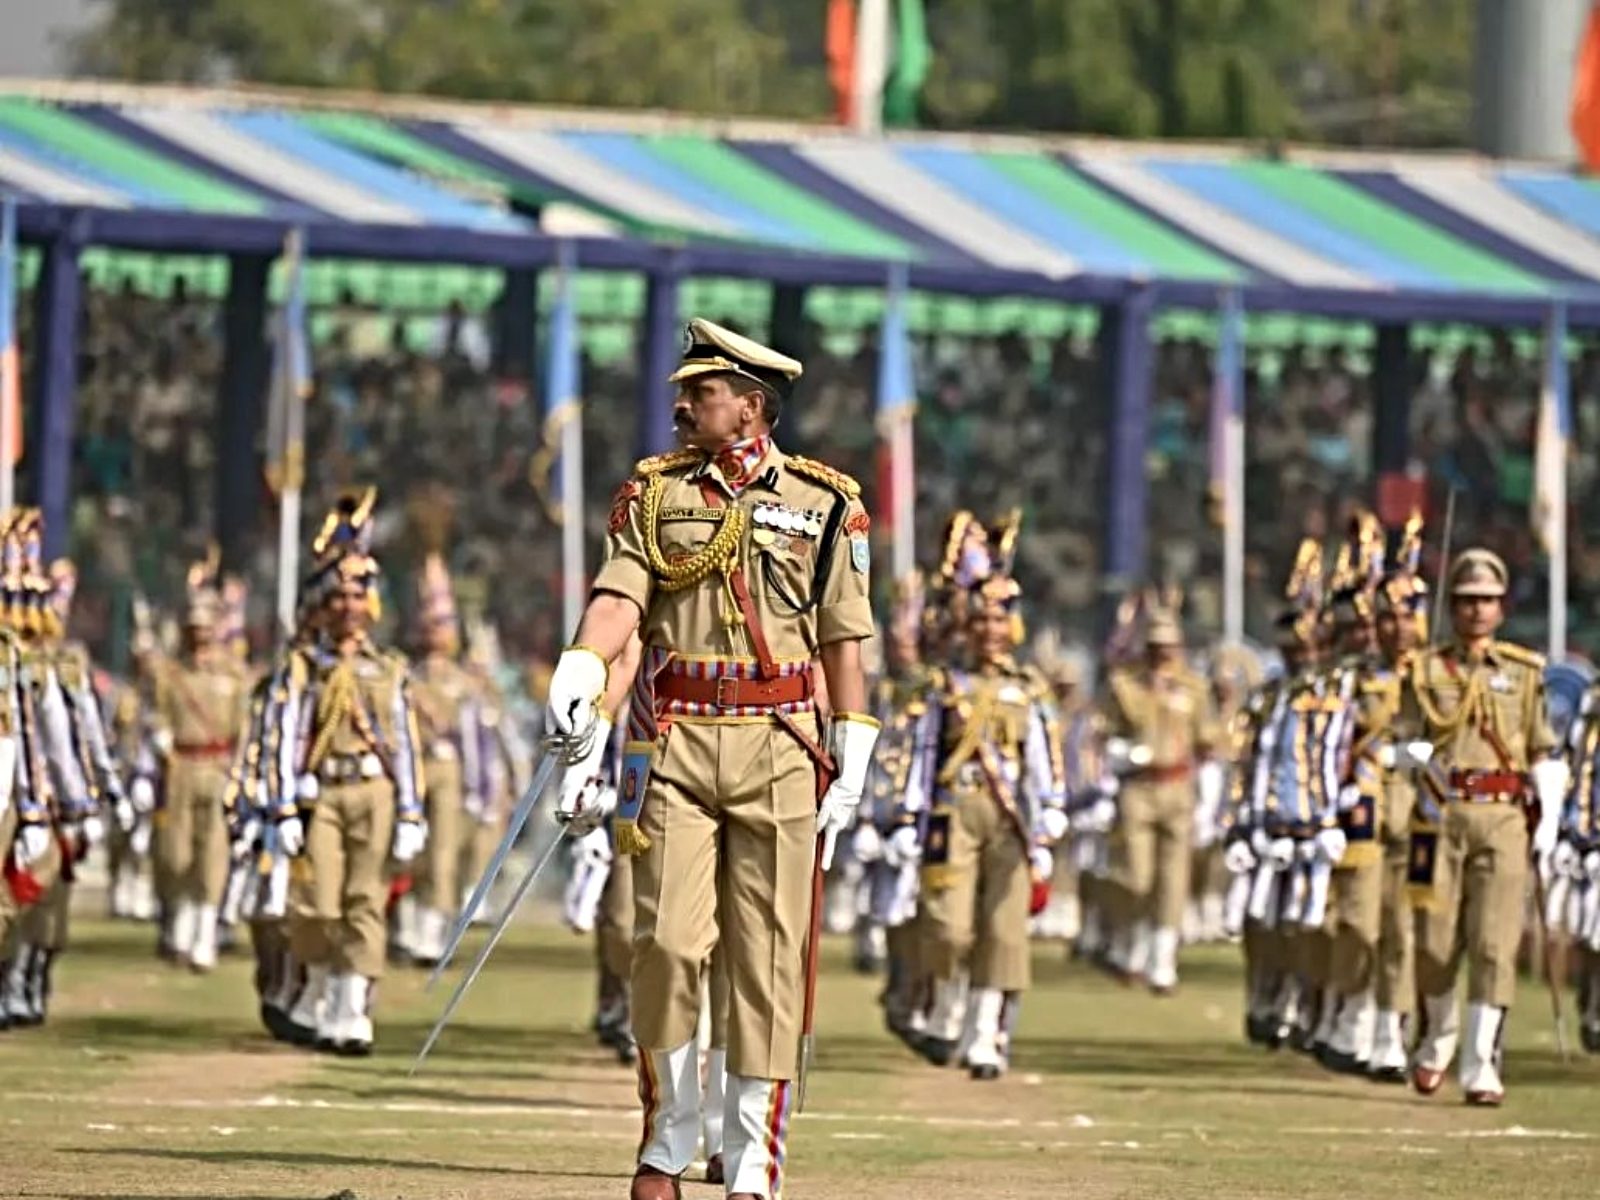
pixel 1359 637
pixel 1476 616
pixel 440 638
pixel 990 632
pixel 348 613
pixel 710 412
pixel 201 637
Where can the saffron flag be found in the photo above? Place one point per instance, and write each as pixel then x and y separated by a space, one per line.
pixel 10 354
pixel 1585 114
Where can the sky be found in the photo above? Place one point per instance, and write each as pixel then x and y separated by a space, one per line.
pixel 27 48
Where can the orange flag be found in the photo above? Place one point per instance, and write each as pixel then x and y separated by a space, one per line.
pixel 840 46
pixel 1586 94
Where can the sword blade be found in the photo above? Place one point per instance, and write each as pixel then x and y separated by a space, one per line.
pixel 495 935
pixel 808 1051
pixel 519 818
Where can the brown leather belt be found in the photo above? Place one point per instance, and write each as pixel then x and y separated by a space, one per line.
pixel 727 691
pixel 219 749
pixel 1171 774
pixel 1489 783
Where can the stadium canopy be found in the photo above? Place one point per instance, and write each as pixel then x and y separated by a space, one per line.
pixel 1129 229
pixel 1388 237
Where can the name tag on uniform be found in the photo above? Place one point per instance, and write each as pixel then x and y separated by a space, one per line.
pixel 693 514
pixel 1500 683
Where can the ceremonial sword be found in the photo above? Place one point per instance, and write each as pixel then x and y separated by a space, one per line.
pixel 542 775
pixel 495 934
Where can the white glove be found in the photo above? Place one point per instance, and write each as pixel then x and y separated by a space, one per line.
pixel 409 839
pixel 577 804
pixel 1550 786
pixel 143 794
pixel 1238 857
pixel 1330 845
pixel 901 848
pixel 1052 825
pixel 292 836
pixel 1591 866
pixel 852 754
pixel 1118 752
pixel 1388 756
pixel 244 842
pixel 1103 814
pixel 1564 859
pixel 93 830
pixel 306 789
pixel 1281 852
pixel 32 843
pixel 576 688
pixel 126 814
pixel 1042 862
pixel 866 844
pixel 1416 756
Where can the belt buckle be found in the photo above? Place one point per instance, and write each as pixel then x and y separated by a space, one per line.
pixel 726 690
pixel 368 766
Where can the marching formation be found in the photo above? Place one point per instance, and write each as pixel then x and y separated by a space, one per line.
pixel 1388 813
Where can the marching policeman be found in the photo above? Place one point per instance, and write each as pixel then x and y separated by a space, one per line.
pixel 1475 708
pixel 738 565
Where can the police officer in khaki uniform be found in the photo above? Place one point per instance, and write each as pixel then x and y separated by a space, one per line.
pixel 202 706
pixel 359 797
pixel 1160 723
pixel 1475 709
pixel 449 718
pixel 1402 602
pixel 738 565
pixel 988 756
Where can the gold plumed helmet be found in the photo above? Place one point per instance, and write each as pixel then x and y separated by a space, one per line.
pixel 436 599
pixel 1403 590
pixel 1297 624
pixel 341 553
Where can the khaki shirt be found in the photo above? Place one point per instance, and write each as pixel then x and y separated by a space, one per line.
pixel 441 689
pixel 1465 706
pixel 377 717
pixel 203 702
pixel 661 521
pixel 1171 713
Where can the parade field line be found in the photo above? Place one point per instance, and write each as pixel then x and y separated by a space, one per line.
pixel 153 1083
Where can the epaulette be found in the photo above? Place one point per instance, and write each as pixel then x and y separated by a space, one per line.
pixel 1520 654
pixel 825 475
pixel 669 461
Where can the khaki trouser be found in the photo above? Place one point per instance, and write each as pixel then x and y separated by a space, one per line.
pixel 1150 851
pixel 721 996
pixel 347 848
pixel 191 843
pixel 613 926
pixel 476 846
pixel 980 921
pixel 1480 882
pixel 730 811
pixel 307 933
pixel 1397 988
pixel 438 873
pixel 1355 912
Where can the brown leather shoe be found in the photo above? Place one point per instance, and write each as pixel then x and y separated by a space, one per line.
pixel 1426 1080
pixel 651 1184
pixel 1485 1099
pixel 714 1170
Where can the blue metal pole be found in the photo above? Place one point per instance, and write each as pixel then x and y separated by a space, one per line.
pixel 55 386
pixel 661 338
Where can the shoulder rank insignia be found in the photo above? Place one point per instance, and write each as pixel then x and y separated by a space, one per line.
pixel 1520 654
pixel 825 475
pixel 670 461
pixel 620 503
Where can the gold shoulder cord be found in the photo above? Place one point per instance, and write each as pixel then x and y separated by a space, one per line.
pixel 979 716
pixel 1445 724
pixel 335 703
pixel 721 553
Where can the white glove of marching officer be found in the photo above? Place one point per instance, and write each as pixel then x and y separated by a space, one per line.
pixel 1052 826
pixel 409 839
pixel 901 848
pixel 852 739
pixel 1415 756
pixel 292 836
pixel 32 843
pixel 1042 863
pixel 581 803
pixel 1330 845
pixel 866 843
pixel 1564 860
pixel 1550 786
pixel 1238 857
pixel 576 688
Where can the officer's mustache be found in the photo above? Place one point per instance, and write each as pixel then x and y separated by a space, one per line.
pixel 683 420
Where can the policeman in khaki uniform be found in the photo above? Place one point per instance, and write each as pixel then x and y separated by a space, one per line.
pixel 1160 724
pixel 202 706
pixel 738 565
pixel 1475 709
pixel 358 800
pixel 988 757
pixel 447 702
pixel 1402 602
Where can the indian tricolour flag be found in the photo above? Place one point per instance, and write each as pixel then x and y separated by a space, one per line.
pixel 877 61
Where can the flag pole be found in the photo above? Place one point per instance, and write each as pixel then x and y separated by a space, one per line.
pixel 291 383
pixel 562 394
pixel 10 368
pixel 1230 372
pixel 1556 383
pixel 897 408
